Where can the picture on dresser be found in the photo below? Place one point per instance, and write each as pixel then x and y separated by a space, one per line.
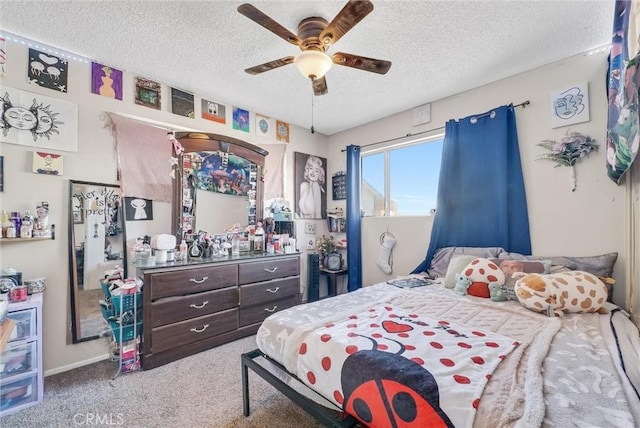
pixel 136 209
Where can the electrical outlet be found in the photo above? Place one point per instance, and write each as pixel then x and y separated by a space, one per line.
pixel 310 228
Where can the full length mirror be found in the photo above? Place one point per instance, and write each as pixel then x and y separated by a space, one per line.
pixel 217 184
pixel 96 244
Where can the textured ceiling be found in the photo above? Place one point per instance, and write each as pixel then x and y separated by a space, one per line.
pixel 438 48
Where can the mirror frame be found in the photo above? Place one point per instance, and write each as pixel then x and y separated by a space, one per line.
pixel 73 273
pixel 206 142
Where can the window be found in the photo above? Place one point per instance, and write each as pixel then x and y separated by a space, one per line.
pixel 401 180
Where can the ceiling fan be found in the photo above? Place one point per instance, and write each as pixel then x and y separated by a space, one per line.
pixel 315 36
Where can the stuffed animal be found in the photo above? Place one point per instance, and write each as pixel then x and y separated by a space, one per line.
pixel 482 272
pixel 462 284
pixel 560 293
pixel 495 290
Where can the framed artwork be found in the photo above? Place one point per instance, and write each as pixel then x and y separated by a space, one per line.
pixel 182 103
pixel 570 105
pixel 47 70
pixel 78 216
pixel 147 93
pixel 222 172
pixel 106 81
pixel 310 186
pixel 282 131
pixel 31 119
pixel 339 186
pixel 47 163
pixel 136 209
pixel 1 173
pixel 240 119
pixel 264 126
pixel 214 111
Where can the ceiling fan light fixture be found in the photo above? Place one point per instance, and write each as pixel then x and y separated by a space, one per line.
pixel 313 64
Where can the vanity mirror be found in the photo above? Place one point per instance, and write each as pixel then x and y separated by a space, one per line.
pixel 96 244
pixel 218 183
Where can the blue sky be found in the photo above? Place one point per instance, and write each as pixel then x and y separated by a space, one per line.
pixel 414 172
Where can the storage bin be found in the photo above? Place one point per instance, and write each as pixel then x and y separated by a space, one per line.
pixel 18 359
pixel 18 393
pixel 25 324
pixel 129 332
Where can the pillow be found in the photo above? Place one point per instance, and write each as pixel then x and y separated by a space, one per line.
pixel 561 293
pixel 511 266
pixel 456 265
pixel 441 258
pixel 601 265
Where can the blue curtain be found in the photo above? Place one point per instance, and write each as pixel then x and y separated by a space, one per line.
pixel 481 196
pixel 354 256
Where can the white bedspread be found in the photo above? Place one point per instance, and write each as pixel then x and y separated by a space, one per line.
pixel 514 394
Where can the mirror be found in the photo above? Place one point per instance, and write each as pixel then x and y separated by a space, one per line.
pixel 217 184
pixel 96 244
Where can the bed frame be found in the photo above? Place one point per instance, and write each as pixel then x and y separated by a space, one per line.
pixel 273 372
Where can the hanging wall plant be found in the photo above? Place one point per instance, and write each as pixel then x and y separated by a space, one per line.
pixel 568 150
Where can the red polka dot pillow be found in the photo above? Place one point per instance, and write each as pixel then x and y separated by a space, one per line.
pixel 481 272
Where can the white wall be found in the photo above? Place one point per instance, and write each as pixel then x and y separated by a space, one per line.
pixel 586 222
pixel 96 161
pixel 589 221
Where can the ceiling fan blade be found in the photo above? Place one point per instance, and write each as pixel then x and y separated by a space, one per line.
pixel 260 18
pixel 270 65
pixel 352 13
pixel 361 63
pixel 320 86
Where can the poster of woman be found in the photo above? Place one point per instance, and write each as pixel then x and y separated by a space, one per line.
pixel 310 186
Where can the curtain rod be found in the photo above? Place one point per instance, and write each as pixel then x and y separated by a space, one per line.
pixel 522 104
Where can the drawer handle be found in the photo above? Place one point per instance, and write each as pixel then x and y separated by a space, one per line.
pixel 194 306
pixel 200 330
pixel 271 270
pixel 273 290
pixel 272 309
pixel 199 281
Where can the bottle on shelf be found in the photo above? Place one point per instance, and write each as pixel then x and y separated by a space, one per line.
pixel 4 222
pixel 182 250
pixel 235 245
pixel 252 238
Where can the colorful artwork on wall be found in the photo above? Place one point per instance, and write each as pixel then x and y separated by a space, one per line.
pixel 47 70
pixel 282 131
pixel 221 172
pixel 240 119
pixel 264 126
pixel 570 105
pixel 47 163
pixel 36 120
pixel 147 93
pixel 182 103
pixel 106 81
pixel 214 111
pixel 3 56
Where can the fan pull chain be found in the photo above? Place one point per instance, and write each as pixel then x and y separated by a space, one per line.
pixel 313 131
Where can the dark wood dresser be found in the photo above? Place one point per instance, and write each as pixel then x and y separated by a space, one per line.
pixel 192 306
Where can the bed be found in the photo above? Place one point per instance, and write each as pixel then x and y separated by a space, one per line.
pixel 428 356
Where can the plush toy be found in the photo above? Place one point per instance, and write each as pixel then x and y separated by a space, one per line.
pixel 560 293
pixel 462 284
pixel 495 290
pixel 482 272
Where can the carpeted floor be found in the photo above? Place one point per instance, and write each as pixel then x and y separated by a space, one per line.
pixel 203 390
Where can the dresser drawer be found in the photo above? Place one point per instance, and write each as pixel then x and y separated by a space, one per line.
pixel 258 313
pixel 25 324
pixel 263 292
pixel 266 270
pixel 192 281
pixel 18 359
pixel 17 393
pixel 193 330
pixel 173 309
